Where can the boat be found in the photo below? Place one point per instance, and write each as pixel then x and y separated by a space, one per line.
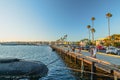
pixel 18 68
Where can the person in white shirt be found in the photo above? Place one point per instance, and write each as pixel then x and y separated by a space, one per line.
pixel 94 52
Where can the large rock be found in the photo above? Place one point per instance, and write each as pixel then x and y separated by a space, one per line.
pixel 12 68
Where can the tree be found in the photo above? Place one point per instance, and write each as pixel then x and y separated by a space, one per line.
pixel 108 15
pixel 65 37
pixel 89 30
pixel 92 31
pixel 93 18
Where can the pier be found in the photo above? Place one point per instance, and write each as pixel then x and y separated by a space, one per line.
pixel 94 66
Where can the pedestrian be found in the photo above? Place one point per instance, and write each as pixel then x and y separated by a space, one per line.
pixel 80 49
pixel 91 51
pixel 94 52
pixel 73 49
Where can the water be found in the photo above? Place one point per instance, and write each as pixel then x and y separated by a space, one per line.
pixel 57 70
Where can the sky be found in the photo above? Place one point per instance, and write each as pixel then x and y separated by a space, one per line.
pixel 48 20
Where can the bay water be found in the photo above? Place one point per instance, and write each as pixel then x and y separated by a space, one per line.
pixel 56 65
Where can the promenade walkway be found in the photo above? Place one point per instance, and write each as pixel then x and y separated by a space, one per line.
pixel 114 59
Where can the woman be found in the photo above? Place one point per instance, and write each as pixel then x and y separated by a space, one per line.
pixel 94 52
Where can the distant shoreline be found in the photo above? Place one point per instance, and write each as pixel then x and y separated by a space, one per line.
pixel 24 43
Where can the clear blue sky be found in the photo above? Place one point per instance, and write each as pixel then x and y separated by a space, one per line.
pixel 22 20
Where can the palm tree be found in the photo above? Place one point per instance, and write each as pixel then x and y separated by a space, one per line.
pixel 65 37
pixel 89 30
pixel 93 31
pixel 108 15
pixel 93 18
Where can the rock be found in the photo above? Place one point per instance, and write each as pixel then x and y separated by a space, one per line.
pixel 18 68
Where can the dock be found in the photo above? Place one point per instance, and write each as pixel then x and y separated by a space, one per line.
pixel 94 65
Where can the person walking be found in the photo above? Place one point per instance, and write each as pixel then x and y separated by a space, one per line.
pixel 94 52
pixel 79 49
pixel 91 51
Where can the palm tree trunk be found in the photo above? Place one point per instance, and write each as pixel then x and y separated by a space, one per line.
pixel 109 27
pixel 92 24
pixel 92 36
pixel 89 34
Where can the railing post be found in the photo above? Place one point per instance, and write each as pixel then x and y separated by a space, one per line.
pixel 75 59
pixel 82 67
pixel 93 69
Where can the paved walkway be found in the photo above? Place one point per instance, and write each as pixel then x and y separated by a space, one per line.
pixel 114 59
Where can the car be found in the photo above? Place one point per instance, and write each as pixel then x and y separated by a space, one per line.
pixel 112 50
pixel 118 49
pixel 100 47
pixel 87 47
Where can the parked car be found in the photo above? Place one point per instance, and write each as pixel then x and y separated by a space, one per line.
pixel 99 47
pixel 86 47
pixel 112 50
